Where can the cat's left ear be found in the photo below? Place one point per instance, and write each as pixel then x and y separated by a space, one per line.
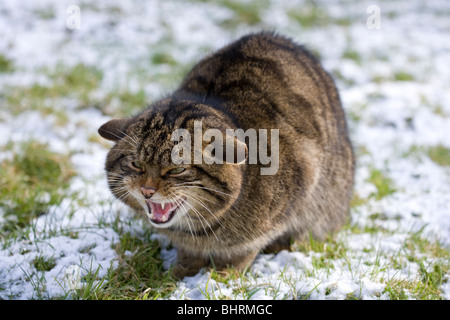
pixel 114 130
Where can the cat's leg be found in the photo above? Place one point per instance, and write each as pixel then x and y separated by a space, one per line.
pixel 188 264
pixel 239 263
pixel 281 243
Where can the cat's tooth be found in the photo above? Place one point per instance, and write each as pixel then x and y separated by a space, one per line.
pixel 163 204
pixel 164 218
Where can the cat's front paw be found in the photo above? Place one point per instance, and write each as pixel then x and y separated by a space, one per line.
pixel 181 271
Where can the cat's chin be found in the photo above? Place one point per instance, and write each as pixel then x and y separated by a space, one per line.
pixel 163 214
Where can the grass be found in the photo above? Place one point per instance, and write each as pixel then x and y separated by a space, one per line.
pixel 31 181
pixel 439 154
pixel 163 58
pixel 311 15
pixel 42 263
pixel 352 55
pixel 77 82
pixel 247 13
pixel 424 287
pixel 6 65
pixel 403 76
pixel 140 273
pixel 431 258
pixel 77 86
pixel 383 184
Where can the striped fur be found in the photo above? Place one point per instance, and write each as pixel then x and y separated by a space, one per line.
pixel 261 81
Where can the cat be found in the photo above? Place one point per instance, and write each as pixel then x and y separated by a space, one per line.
pixel 224 214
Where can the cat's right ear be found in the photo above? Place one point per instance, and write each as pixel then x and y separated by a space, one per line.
pixel 114 130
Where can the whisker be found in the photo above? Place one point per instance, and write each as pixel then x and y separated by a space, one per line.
pixel 116 135
pixel 133 142
pixel 201 216
pixel 189 182
pixel 116 184
pixel 120 191
pixel 204 206
pixel 115 174
pixel 178 198
pixel 116 180
pixel 123 195
pixel 227 194
pixel 123 150
pixel 199 197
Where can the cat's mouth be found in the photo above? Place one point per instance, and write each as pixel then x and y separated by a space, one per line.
pixel 162 212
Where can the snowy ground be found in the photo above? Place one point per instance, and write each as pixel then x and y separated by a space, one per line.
pixel 394 83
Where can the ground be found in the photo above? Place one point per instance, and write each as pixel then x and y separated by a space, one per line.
pixel 66 68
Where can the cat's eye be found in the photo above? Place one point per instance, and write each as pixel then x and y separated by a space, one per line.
pixel 176 171
pixel 137 166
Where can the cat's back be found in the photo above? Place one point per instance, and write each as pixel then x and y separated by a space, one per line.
pixel 264 77
pixel 268 81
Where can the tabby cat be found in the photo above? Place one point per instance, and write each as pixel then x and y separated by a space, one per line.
pixel 224 214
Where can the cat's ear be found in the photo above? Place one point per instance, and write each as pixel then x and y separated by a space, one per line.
pixel 229 150
pixel 114 130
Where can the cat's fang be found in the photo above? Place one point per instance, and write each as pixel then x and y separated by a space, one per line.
pixel 160 213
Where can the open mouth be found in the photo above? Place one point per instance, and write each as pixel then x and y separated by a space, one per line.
pixel 162 212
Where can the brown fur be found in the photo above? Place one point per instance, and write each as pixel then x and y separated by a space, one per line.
pixel 260 81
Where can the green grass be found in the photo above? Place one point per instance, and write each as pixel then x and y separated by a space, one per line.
pixel 163 58
pixel 352 55
pixel 403 76
pixel 140 274
pixel 424 287
pixel 78 84
pixel 440 155
pixel 42 263
pixel 244 13
pixel 383 184
pixel 6 65
pixel 396 76
pixel 34 179
pixel 357 200
pixel 432 260
pixel 45 14
pixel 310 15
pixel 130 102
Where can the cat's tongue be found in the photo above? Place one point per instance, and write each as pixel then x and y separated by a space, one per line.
pixel 160 212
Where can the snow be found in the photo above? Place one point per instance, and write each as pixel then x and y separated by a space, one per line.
pixel 119 37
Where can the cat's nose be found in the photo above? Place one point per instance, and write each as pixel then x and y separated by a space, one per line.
pixel 147 192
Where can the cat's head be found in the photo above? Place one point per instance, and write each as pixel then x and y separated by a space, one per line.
pixel 144 170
